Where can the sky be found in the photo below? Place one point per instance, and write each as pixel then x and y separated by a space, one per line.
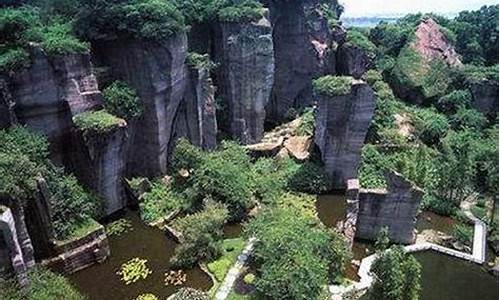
pixel 360 8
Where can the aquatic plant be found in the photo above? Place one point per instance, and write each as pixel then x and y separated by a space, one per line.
pixel 118 227
pixel 134 270
pixel 146 297
pixel 175 277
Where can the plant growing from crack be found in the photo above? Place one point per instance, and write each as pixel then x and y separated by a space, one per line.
pixel 133 270
pixel 146 297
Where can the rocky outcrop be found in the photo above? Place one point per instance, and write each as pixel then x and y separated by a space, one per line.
pixel 156 71
pixel 104 165
pixel 304 48
pixel 431 43
pixel 7 116
pixel 353 61
pixel 48 93
pixel 395 208
pixel 485 97
pixel 348 226
pixel 12 256
pixel 342 123
pixel 196 119
pixel 81 252
pixel 245 57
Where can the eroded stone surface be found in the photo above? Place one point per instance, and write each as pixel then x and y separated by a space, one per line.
pixel 353 61
pixel 245 54
pixel 342 123
pixel 485 97
pixel 395 208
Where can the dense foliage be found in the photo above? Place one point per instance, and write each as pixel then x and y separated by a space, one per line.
pixel 332 86
pixel 122 101
pixel 397 276
pixel 295 255
pixel 23 160
pixel 159 202
pixel 96 122
pixel 201 235
pixel 44 285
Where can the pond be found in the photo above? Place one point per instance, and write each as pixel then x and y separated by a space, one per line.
pixel 429 220
pixel 101 281
pixel 446 277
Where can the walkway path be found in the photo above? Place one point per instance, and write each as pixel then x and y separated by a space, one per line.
pixel 234 272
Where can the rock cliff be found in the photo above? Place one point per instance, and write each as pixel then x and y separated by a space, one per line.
pixel 196 118
pixel 395 208
pixel 303 50
pixel 485 97
pixel 156 71
pixel 341 126
pixel 244 76
pixel 353 61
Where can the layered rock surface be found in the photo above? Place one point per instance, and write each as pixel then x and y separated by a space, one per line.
pixel 485 97
pixel 342 123
pixel 352 61
pixel 303 51
pixel 196 119
pixel 395 208
pixel 156 71
pixel 245 57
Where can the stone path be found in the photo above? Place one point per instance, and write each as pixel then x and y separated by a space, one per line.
pixel 234 272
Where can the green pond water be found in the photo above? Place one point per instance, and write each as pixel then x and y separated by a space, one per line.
pixel 100 282
pixel 449 278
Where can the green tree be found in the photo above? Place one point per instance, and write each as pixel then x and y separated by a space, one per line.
pixel 122 101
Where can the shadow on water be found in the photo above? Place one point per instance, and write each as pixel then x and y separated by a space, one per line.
pixel 100 282
pixel 446 277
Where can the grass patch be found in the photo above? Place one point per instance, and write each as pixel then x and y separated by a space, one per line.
pixel 333 85
pixel 231 249
pixel 96 121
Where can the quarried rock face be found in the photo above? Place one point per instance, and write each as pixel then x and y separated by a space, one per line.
pixel 353 61
pixel 156 71
pixel 245 57
pixel 49 93
pixel 431 43
pixel 12 257
pixel 395 208
pixel 196 118
pixel 485 97
pixel 342 123
pixel 302 50
pixel 104 165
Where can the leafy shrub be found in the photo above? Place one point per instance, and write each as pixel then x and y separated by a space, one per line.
pixel 463 234
pixel 139 19
pixel 12 59
pixel 309 177
pixel 231 248
pixel 430 126
pixel 291 252
pixel 356 38
pixel 44 285
pixel 239 10
pixel 468 119
pixel 122 101
pixel 372 167
pixel 333 85
pixel 186 156
pixel 455 100
pixel 302 203
pixel 268 180
pixel 200 61
pixel 198 11
pixel 72 206
pixel 201 235
pixel 159 202
pixel 438 205
pixel 373 76
pixel 249 278
pixel 307 123
pixel 146 297
pixel 56 38
pixel 397 276
pixel 96 122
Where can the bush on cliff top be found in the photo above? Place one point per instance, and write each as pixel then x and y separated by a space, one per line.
pixel 139 19
pixel 196 11
pixel 96 122
pixel 122 101
pixel 357 38
pixel 200 61
pixel 333 85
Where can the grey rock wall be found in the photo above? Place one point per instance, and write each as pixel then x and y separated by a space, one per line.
pixel 342 123
pixel 352 61
pixel 303 49
pixel 156 71
pixel 485 97
pixel 196 118
pixel 395 208
pixel 245 56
